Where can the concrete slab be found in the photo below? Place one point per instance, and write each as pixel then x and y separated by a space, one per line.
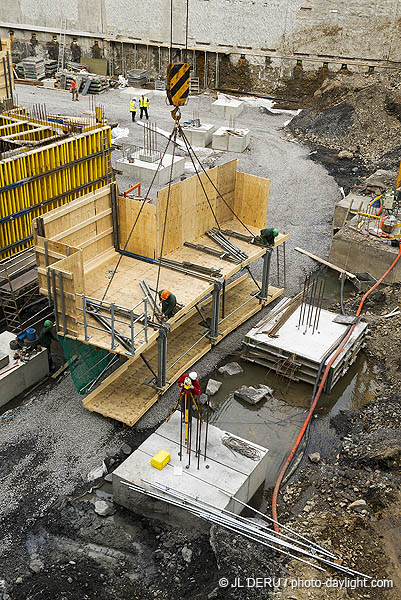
pixel 355 201
pixel 227 108
pixel 293 340
pixel 231 142
pixel 355 252
pixel 223 469
pixel 200 136
pixel 133 92
pixel 143 170
pixel 297 354
pixel 17 376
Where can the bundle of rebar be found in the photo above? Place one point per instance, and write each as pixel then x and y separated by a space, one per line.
pixel 311 305
pixel 210 250
pixel 291 544
pixel 217 236
pixel 199 271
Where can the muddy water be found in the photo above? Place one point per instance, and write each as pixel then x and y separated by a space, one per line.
pixel 275 422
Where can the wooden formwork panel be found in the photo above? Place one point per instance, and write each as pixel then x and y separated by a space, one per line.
pixel 125 397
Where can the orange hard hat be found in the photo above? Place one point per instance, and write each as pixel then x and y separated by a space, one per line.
pixel 165 294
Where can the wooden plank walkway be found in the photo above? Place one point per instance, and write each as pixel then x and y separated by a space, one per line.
pixel 125 397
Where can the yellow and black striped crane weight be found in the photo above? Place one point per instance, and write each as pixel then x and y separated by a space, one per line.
pixel 177 83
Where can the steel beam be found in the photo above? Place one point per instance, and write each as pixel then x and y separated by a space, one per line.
pixel 162 357
pixel 214 325
pixel 264 292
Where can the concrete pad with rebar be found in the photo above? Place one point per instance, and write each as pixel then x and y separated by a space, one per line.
pixel 231 140
pixel 144 170
pixel 200 136
pixel 224 473
pixel 303 343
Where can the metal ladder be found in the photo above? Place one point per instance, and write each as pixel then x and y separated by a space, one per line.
pixel 61 49
pixel 194 86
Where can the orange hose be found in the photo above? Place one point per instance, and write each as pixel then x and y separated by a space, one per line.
pixel 319 391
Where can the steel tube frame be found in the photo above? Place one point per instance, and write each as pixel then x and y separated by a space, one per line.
pixel 162 357
pixel 214 325
pixel 267 257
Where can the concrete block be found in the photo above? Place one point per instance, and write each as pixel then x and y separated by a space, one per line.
pixel 223 471
pixel 354 252
pixel 341 208
pixel 49 83
pixel 4 360
pixel 200 136
pixel 144 171
pixel 227 108
pixel 133 92
pixel 16 377
pixel 230 142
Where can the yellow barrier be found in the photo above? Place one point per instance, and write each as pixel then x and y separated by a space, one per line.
pixel 38 180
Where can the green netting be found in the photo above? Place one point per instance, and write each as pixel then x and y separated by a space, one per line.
pixel 86 363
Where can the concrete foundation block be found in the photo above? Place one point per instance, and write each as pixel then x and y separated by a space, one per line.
pixel 224 470
pixel 227 108
pixel 354 252
pixel 133 92
pixel 144 171
pixel 352 202
pixel 17 376
pixel 200 136
pixel 231 142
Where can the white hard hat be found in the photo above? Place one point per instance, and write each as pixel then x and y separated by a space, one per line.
pixel 193 375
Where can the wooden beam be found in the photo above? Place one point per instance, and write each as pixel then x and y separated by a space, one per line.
pixel 327 263
pixel 81 225
pixel 75 204
pixel 95 238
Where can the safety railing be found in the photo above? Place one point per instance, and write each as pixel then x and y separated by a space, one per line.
pixel 108 315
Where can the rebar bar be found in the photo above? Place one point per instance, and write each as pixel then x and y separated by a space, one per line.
pixel 317 305
pixel 320 307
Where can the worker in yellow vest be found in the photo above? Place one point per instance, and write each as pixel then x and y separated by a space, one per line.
pixel 132 107
pixel 143 105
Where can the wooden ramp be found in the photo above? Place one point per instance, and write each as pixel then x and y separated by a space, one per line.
pixel 125 397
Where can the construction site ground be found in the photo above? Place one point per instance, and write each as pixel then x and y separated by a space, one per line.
pixel 53 545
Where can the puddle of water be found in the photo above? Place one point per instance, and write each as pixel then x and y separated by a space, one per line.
pixel 275 422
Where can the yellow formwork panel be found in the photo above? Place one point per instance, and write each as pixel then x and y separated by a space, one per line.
pixel 41 179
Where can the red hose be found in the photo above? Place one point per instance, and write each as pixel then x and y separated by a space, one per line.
pixel 319 391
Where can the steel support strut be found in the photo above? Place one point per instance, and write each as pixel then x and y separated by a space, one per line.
pixel 162 357
pixel 264 292
pixel 214 324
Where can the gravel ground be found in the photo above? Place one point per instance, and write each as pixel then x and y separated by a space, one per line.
pixel 50 443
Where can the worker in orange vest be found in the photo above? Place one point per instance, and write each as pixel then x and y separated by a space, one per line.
pixel 74 89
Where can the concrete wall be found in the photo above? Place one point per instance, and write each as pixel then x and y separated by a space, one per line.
pixel 270 33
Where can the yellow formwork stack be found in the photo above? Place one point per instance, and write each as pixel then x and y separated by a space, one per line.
pixel 36 180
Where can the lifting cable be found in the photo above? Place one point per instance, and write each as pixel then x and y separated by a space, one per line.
pixel 214 186
pixel 145 199
pixel 199 177
pixel 165 218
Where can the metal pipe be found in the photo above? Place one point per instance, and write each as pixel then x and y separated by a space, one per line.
pixel 240 306
pixel 181 420
pixel 302 303
pixel 309 305
pixel 320 307
pixel 317 305
pixel 62 302
pixel 313 300
pixel 207 425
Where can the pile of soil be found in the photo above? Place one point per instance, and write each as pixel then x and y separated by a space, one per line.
pixel 357 113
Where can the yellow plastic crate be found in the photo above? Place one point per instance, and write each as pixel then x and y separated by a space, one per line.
pixel 160 460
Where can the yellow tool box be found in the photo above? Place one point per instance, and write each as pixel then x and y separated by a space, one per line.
pixel 160 459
